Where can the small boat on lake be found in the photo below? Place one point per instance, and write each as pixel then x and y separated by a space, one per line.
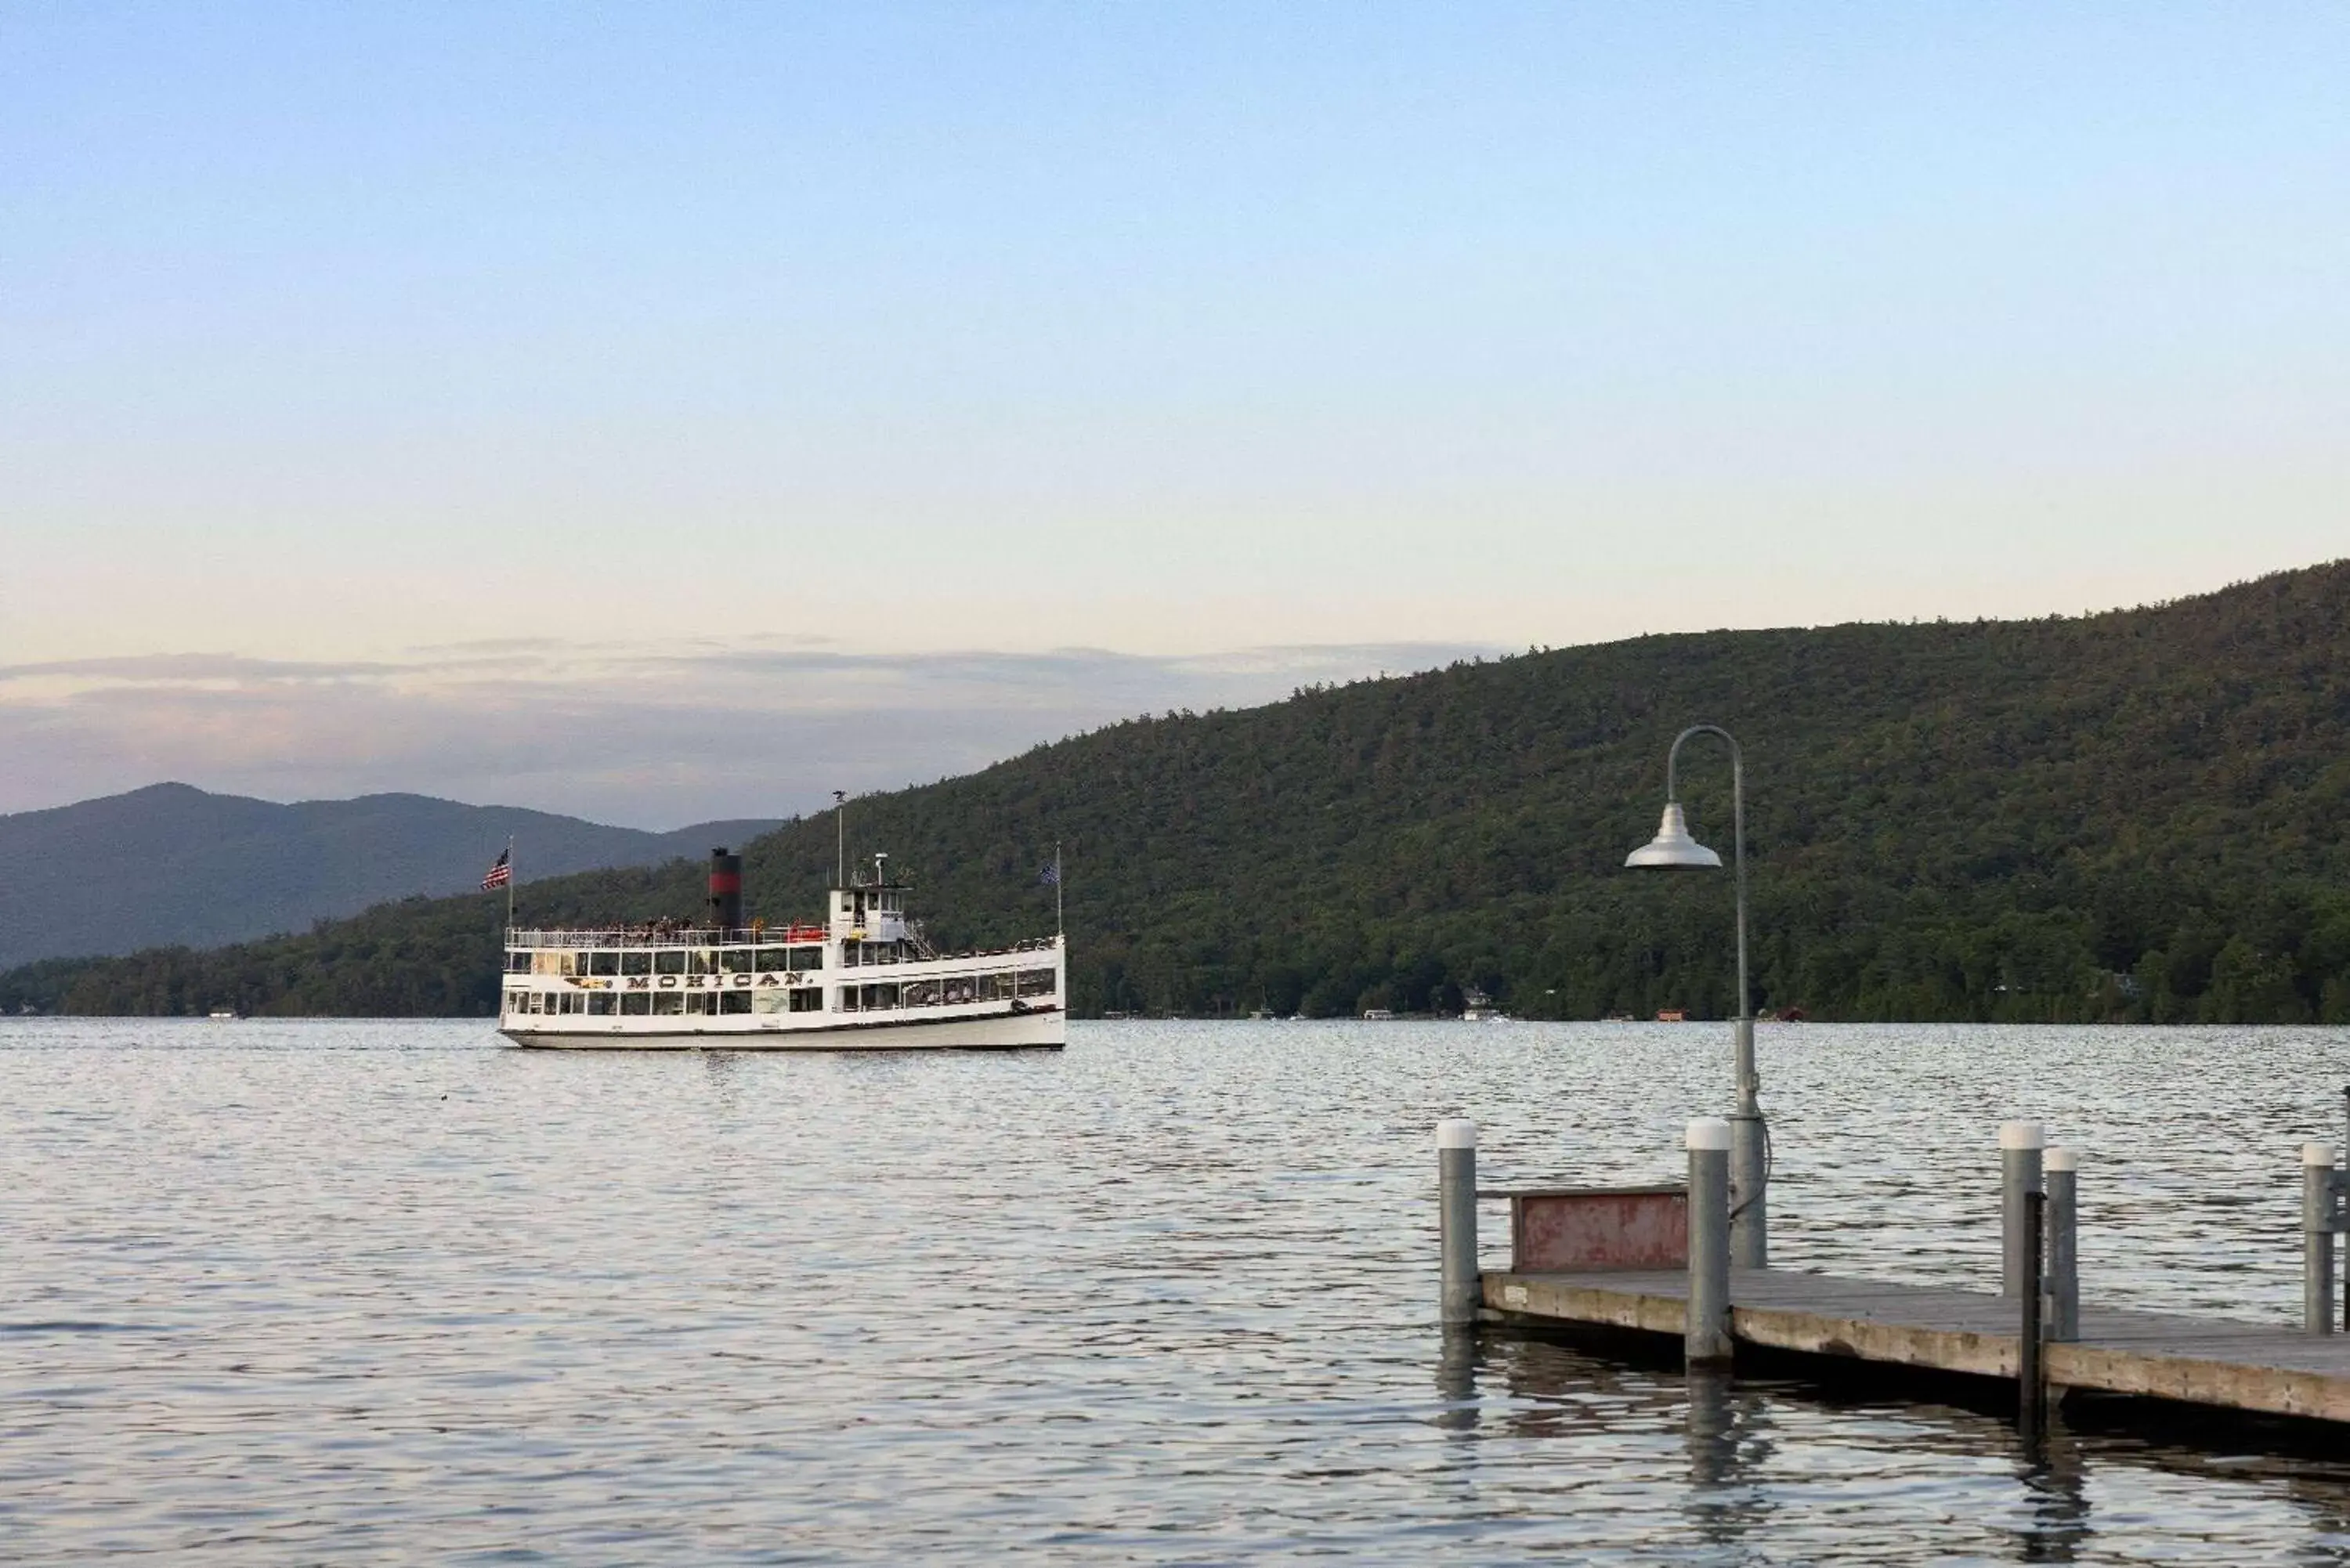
pixel 863 980
pixel 1477 1007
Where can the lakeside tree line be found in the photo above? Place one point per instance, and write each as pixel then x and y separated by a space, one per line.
pixel 2130 816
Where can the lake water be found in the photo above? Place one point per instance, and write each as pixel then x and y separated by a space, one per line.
pixel 352 1291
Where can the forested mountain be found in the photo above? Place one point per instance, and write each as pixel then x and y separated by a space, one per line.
pixel 171 864
pixel 2131 816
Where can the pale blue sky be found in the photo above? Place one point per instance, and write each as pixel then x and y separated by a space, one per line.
pixel 335 333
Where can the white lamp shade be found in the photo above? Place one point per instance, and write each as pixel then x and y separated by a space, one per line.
pixel 1672 844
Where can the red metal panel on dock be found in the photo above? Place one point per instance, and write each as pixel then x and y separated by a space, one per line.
pixel 1591 1227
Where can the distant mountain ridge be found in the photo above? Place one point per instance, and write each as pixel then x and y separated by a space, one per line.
pixel 174 866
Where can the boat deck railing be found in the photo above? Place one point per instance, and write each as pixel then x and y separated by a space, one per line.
pixel 717 937
pixel 663 936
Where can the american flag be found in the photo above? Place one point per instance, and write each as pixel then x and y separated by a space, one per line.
pixel 500 873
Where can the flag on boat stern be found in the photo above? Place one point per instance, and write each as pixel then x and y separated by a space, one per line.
pixel 1050 876
pixel 502 873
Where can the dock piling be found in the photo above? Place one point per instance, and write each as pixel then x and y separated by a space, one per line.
pixel 2317 1227
pixel 2059 1171
pixel 2031 1358
pixel 2019 1175
pixel 1456 1215
pixel 1705 1340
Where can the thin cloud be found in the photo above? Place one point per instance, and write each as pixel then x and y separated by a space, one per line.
pixel 649 736
pixel 176 667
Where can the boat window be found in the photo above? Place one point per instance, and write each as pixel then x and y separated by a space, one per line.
pixel 670 960
pixel 603 963
pixel 879 996
pixel 518 961
pixel 702 960
pixel 735 1002
pixel 638 961
pixel 919 993
pixel 669 1001
pixel 602 1001
pixel 1036 982
pixel 847 999
pixel 737 960
pixel 636 1002
pixel 807 957
pixel 807 999
pixel 770 959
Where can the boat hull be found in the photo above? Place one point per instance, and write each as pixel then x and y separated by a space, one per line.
pixel 1037 1029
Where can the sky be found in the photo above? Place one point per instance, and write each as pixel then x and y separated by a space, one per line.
pixel 667 412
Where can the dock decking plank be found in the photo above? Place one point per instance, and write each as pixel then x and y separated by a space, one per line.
pixel 2237 1365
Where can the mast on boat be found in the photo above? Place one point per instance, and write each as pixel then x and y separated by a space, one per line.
pixel 840 838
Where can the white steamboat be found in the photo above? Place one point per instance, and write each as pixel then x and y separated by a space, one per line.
pixel 865 979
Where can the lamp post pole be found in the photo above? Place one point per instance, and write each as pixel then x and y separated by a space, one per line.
pixel 1750 1137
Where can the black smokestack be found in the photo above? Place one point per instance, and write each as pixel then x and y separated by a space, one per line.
pixel 725 890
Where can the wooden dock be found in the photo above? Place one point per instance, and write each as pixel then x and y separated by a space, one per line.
pixel 2238 1367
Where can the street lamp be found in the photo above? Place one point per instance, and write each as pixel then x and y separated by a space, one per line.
pixel 1750 1139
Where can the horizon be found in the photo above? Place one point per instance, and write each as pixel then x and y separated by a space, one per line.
pixel 608 413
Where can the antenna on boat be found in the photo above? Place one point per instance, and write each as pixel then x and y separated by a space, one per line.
pixel 840 838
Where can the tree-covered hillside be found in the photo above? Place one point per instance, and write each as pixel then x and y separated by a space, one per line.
pixel 2136 814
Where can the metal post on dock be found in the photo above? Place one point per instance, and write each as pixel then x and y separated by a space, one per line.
pixel 2019 1175
pixel 1706 1334
pixel 2318 1226
pixel 1456 1218
pixel 2030 1364
pixel 2059 1170
pixel 1750 1159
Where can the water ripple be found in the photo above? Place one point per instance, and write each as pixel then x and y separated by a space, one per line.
pixel 374 1291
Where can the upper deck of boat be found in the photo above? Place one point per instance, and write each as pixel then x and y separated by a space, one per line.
pixel 664 934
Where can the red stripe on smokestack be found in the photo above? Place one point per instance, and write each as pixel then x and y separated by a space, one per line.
pixel 725 906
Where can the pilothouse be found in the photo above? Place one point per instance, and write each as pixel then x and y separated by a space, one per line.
pixel 863 980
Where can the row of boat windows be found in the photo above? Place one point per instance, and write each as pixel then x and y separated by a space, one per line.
pixel 952 991
pixel 808 999
pixel 949 992
pixel 664 960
